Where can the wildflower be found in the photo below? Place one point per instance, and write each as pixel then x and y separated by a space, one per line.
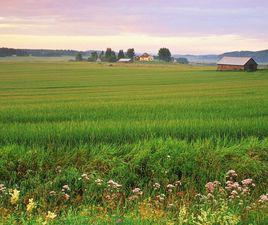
pixel 168 156
pixel 133 197
pixel 170 187
pixel 234 193
pixel 210 187
pixel 85 176
pixel 137 191
pixel 113 184
pixel 65 188
pixel 245 191
pixel 263 198
pixel 178 183
pixel 99 182
pixel 210 196
pixel 58 169
pixel 2 188
pixel 247 182
pixel 160 197
pixel 156 186
pixel 51 216
pixel 14 196
pixel 66 197
pixel 30 206
pixel 52 193
pixel 231 175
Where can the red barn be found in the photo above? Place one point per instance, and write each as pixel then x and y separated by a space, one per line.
pixel 237 63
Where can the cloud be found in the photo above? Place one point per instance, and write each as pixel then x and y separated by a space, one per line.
pixel 157 20
pixel 180 45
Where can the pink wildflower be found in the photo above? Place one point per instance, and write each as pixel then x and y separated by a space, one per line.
pixel 210 187
pixel 263 198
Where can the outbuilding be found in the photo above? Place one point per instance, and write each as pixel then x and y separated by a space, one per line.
pixel 237 63
pixel 124 60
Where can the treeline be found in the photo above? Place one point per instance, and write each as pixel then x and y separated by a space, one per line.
pixel 5 52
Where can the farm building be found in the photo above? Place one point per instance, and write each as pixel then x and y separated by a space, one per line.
pixel 124 60
pixel 146 57
pixel 237 63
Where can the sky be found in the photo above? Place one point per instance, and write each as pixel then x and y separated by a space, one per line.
pixel 184 26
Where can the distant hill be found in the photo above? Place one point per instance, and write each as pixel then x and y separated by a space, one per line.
pixel 200 58
pixel 260 56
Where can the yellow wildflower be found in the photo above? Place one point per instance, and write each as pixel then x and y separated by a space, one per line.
pixel 14 196
pixel 31 206
pixel 51 215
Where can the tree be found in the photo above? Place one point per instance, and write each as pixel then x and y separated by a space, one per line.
pixel 164 54
pixel 121 54
pixel 131 53
pixel 110 55
pixel 101 56
pixel 79 57
pixel 94 56
pixel 182 61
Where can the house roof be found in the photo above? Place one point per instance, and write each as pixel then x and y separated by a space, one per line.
pixel 234 61
pixel 145 55
pixel 124 60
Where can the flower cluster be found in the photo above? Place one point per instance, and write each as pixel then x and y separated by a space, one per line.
pixel 263 199
pixel 156 186
pixel 14 196
pixel 170 187
pixel 211 186
pixel 2 188
pixel 234 188
pixel 99 182
pixel 30 206
pixel 85 177
pixel 114 185
pixel 65 189
pixel 137 192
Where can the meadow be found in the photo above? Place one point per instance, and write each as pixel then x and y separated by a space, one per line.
pixel 85 124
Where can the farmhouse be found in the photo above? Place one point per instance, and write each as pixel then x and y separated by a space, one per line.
pixel 237 63
pixel 124 60
pixel 146 57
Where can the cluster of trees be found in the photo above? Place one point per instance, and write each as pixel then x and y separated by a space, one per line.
pixel 108 56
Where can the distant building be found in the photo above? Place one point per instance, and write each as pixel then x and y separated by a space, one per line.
pixel 146 57
pixel 237 63
pixel 124 60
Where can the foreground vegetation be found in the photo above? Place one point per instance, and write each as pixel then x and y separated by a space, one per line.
pixel 132 144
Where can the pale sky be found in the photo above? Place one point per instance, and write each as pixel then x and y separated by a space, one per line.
pixel 184 26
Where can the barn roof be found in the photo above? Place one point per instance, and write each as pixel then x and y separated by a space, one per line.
pixel 234 61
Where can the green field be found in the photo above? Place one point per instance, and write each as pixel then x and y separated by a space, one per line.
pixel 136 124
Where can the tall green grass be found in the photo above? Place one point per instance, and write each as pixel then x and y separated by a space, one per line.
pixel 71 103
